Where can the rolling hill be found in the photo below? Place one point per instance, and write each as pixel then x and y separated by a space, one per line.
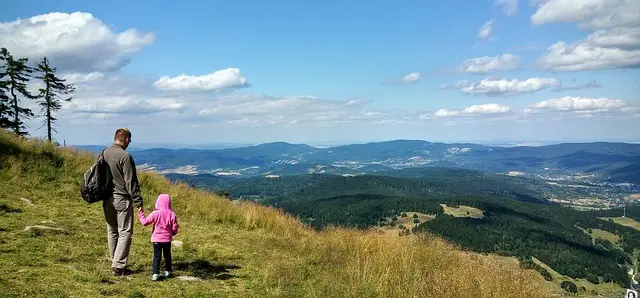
pixel 52 244
pixel 517 220
pixel 594 162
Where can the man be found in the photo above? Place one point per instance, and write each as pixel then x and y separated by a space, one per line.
pixel 118 209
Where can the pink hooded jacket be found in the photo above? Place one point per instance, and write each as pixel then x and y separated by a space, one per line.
pixel 164 220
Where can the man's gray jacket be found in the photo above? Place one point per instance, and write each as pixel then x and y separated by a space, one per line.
pixel 123 171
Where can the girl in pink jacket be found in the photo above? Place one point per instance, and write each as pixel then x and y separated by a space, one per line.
pixel 165 226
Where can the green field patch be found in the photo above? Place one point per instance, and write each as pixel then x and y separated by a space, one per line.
pixel 463 211
pixel 625 221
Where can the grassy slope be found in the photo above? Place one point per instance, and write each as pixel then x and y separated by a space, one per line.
pixel 626 221
pixel 461 211
pixel 597 233
pixel 592 290
pixel 239 250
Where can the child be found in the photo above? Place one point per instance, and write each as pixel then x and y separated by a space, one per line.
pixel 164 228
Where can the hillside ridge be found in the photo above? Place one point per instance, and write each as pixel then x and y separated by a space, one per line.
pixel 230 249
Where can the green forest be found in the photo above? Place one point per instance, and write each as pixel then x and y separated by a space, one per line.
pixel 516 221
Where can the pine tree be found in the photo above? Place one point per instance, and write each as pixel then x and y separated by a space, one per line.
pixel 5 111
pixel 18 73
pixel 49 98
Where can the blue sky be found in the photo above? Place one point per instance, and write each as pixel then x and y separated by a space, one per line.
pixel 332 71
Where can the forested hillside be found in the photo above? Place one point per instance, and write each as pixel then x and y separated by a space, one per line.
pixel 516 222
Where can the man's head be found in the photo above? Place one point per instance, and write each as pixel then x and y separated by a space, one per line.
pixel 122 137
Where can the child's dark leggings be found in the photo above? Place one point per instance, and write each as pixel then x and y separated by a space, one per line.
pixel 161 248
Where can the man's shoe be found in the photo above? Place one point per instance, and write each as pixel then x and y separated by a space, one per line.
pixel 154 277
pixel 122 271
pixel 167 274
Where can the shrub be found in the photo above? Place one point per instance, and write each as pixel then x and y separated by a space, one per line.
pixel 415 215
pixel 569 287
pixel 547 276
pixel 404 214
pixel 592 278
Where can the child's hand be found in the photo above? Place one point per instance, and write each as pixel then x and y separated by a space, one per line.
pixel 140 209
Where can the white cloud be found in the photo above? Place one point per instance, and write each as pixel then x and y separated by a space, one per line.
pixel 74 42
pixel 122 105
pixel 135 99
pixel 494 86
pixel 576 104
pixel 300 110
pixel 584 55
pixel 485 30
pixel 499 86
pixel 410 78
pixel 483 109
pixel 509 7
pixel 229 78
pixel 615 42
pixel 486 64
pixel 76 78
pixel 591 14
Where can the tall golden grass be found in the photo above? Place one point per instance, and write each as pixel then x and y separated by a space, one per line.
pixel 293 260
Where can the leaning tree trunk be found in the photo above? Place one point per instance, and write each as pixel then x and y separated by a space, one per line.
pixel 16 109
pixel 49 122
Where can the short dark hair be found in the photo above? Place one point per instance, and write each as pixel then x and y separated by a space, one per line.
pixel 122 134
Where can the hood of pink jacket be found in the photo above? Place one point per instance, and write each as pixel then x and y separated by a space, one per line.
pixel 163 202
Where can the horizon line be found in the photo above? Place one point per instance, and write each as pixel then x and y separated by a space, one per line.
pixel 330 144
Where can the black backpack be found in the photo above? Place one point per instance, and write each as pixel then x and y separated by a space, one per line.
pixel 97 183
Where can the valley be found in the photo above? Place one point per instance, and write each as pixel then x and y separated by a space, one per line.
pixel 551 204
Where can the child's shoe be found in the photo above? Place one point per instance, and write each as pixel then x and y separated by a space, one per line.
pixel 167 274
pixel 154 277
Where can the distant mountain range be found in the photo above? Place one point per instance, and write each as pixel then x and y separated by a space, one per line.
pixel 596 161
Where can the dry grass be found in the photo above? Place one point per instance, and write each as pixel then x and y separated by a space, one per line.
pixel 239 250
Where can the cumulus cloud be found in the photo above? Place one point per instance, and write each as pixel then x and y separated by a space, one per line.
pixel 485 30
pixel 614 42
pixel 483 109
pixel 583 55
pixel 486 64
pixel 410 78
pixel 229 78
pixel 509 7
pixel 576 104
pixel 76 42
pixel 592 14
pixel 494 86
